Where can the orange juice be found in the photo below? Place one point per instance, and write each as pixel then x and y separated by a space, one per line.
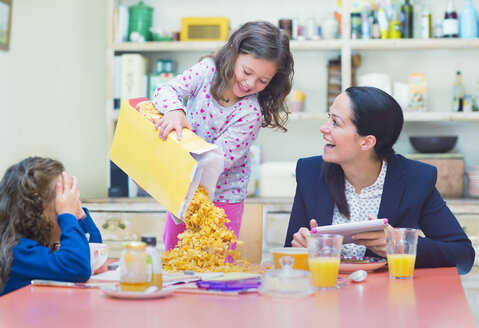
pixel 300 256
pixel 401 265
pixel 324 271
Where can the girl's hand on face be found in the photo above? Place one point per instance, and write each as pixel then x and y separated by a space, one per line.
pixel 375 240
pixel 300 237
pixel 67 198
pixel 172 120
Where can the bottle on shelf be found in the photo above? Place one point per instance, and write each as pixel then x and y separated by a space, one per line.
pixel 383 23
pixel 476 100
pixel 450 25
pixel 395 22
pixel 458 93
pixel 437 33
pixel 417 13
pixel 154 266
pixel 426 21
pixel 355 25
pixel 375 30
pixel 365 24
pixel 407 22
pixel 468 21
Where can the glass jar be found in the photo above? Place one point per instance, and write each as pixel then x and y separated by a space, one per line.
pixel 133 266
pixel 286 282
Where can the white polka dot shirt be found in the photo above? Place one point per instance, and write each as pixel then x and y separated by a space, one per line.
pixel 232 129
pixel 360 206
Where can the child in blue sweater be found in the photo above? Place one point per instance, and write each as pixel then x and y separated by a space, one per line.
pixel 40 208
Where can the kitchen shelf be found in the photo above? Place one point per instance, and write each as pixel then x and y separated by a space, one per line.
pixel 408 117
pixel 415 44
pixel 306 45
pixel 205 46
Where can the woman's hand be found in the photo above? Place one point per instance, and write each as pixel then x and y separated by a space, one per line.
pixel 375 240
pixel 300 237
pixel 67 198
pixel 172 120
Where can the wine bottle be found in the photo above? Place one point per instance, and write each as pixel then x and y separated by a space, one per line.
pixel 450 25
pixel 407 20
pixel 426 21
pixel 458 94
pixel 468 21
pixel 395 23
pixel 375 31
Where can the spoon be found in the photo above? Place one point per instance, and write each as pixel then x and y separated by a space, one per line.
pixel 151 290
pixel 356 276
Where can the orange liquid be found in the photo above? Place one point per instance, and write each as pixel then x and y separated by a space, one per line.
pixel 133 287
pixel 401 265
pixel 157 280
pixel 324 271
pixel 300 259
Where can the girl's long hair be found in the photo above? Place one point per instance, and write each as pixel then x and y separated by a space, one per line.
pixel 26 189
pixel 263 40
pixel 374 112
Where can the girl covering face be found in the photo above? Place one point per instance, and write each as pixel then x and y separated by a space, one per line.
pixel 40 207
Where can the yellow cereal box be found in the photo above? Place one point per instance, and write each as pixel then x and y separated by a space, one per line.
pixel 171 170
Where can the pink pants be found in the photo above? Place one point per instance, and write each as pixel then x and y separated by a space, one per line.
pixel 234 213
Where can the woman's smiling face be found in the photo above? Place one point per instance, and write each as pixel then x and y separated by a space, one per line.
pixel 340 134
pixel 251 75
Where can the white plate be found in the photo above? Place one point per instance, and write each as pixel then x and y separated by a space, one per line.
pixel 374 264
pixel 116 292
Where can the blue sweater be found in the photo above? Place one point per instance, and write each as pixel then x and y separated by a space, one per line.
pixel 410 200
pixel 70 263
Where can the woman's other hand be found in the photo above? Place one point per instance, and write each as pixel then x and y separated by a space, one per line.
pixel 172 120
pixel 374 240
pixel 300 237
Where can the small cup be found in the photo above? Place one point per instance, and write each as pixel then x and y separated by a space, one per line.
pixel 324 252
pixel 401 245
pixel 300 256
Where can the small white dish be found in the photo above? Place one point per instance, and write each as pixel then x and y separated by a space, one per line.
pixel 116 292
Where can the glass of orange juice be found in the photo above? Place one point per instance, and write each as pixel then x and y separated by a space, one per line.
pixel 324 251
pixel 401 245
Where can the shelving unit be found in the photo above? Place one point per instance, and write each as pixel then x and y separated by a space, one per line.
pixel 344 46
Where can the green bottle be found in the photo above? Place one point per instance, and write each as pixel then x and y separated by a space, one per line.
pixel 407 27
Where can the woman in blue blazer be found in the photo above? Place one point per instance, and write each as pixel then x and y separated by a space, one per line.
pixel 359 177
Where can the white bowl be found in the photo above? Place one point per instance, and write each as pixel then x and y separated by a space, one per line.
pixel 98 255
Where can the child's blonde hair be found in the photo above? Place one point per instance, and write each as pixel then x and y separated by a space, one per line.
pixel 26 189
pixel 263 40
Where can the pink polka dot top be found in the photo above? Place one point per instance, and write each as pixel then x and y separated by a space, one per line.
pixel 232 129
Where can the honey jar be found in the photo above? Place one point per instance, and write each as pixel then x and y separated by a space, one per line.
pixel 133 266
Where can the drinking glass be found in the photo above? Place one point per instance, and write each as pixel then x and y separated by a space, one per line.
pixel 324 251
pixel 401 244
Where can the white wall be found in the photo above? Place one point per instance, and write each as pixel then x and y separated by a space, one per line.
pixel 52 88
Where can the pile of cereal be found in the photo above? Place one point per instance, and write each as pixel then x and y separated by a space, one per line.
pixel 206 243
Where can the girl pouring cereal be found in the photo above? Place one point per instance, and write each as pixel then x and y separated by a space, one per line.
pixel 229 97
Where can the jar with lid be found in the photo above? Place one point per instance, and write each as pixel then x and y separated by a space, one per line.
pixel 153 261
pixel 133 266
pixel 286 282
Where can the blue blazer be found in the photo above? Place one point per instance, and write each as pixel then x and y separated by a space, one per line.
pixel 409 200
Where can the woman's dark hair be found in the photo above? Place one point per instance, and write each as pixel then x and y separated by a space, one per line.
pixel 263 40
pixel 26 189
pixel 376 113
